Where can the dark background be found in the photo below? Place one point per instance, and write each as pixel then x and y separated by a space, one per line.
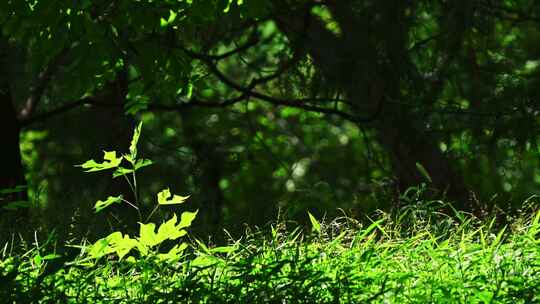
pixel 266 109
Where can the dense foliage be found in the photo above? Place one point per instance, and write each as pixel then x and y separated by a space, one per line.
pixel 261 110
pixel 255 106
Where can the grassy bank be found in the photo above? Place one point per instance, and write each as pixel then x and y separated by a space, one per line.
pixel 416 256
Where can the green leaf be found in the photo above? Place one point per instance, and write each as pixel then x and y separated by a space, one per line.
pixel 186 218
pixel 316 226
pixel 121 171
pixel 16 189
pixel 424 172
pixel 534 227
pixel 173 254
pixel 102 246
pixel 16 205
pixel 498 238
pixel 122 246
pixel 113 243
pixel 51 256
pixel 38 260
pixel 238 2
pixel 189 92
pixel 172 17
pixel 110 162
pixel 169 230
pixel 484 296
pixel 202 246
pixel 224 249
pixel 100 205
pixel 134 106
pixel 204 261
pixel 164 198
pixel 147 235
pixel 134 141
pixel 143 249
pixel 141 163
pixel 368 230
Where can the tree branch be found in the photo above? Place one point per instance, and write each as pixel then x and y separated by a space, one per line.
pixel 43 80
pixel 295 103
pixel 253 41
pixel 60 110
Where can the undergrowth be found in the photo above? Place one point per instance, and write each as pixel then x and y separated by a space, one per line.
pixel 418 254
pixel 408 257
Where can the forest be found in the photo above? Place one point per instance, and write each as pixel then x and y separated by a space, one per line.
pixel 285 151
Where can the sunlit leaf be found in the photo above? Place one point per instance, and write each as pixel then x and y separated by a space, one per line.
pixel 141 163
pixel 173 254
pixel 238 2
pixel 202 246
pixel 224 249
pixel 124 245
pixel 172 17
pixel 37 260
pixel 147 235
pixel 134 141
pixel 316 226
pixel 186 218
pixel 113 243
pixel 169 230
pixel 121 171
pixel 204 261
pixel 101 247
pixel 535 226
pixel 166 198
pixel 110 162
pixel 51 256
pixel 100 205
pixel 131 260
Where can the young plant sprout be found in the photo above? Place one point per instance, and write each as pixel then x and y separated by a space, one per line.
pixel 148 241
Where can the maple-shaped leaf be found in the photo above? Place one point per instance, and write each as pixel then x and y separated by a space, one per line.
pixel 110 161
pixel 100 205
pixel 166 198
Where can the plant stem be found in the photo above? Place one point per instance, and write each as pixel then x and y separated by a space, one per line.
pixel 151 213
pixel 136 189
pixel 136 208
pixel 130 184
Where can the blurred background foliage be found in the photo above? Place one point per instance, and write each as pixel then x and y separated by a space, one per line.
pixel 260 109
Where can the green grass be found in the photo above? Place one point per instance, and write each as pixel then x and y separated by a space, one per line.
pixel 418 255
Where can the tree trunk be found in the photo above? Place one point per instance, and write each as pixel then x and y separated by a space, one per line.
pixel 371 67
pixel 209 171
pixel 11 169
